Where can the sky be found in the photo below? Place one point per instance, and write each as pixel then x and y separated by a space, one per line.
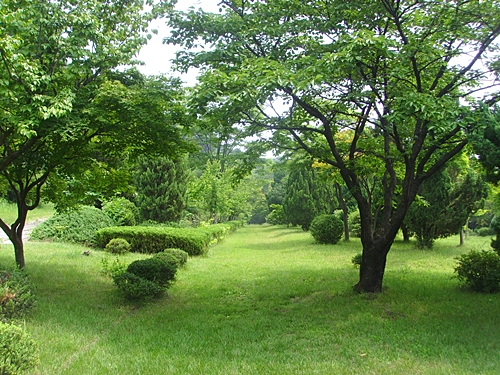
pixel 157 55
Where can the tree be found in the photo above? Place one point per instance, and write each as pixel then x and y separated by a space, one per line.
pixel 398 74
pixel 56 63
pixel 306 196
pixel 161 187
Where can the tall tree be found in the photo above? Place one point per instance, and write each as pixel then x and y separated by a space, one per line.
pixel 55 61
pixel 397 73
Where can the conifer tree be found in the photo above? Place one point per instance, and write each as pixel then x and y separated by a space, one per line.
pixel 161 186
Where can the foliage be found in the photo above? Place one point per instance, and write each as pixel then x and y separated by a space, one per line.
pixel 306 196
pixel 495 228
pixel 479 270
pixel 277 215
pixel 161 185
pixel 122 211
pixel 155 269
pixel 486 143
pixel 484 232
pixel 379 90
pixel 117 246
pixel 444 206
pixel 356 259
pixel 18 352
pixel 177 256
pixel 57 62
pixel 134 287
pixel 355 224
pixel 114 269
pixel 78 226
pixel 16 294
pixel 327 229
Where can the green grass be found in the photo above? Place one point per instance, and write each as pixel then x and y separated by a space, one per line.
pixel 266 300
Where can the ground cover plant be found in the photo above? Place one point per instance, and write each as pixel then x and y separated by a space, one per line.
pixel 266 300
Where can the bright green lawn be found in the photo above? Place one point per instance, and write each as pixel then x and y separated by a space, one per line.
pixel 266 300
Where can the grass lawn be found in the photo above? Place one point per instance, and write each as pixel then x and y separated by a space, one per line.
pixel 266 300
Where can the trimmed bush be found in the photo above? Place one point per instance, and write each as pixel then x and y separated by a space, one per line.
pixel 155 270
pixel 355 224
pixel 484 232
pixel 356 259
pixel 277 215
pixel 76 226
pixel 479 270
pixel 150 240
pixel 117 246
pixel 18 352
pixel 327 229
pixel 177 256
pixel 122 211
pixel 134 287
pixel 16 294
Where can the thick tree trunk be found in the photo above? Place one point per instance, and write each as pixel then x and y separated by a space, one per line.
pixel 371 272
pixel 406 233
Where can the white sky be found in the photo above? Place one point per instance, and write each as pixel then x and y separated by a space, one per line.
pixel 157 56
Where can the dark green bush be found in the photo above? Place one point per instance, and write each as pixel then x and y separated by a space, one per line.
pixel 177 256
pixel 16 294
pixel 18 352
pixel 155 270
pixel 327 229
pixel 134 287
pixel 277 215
pixel 355 224
pixel 117 246
pixel 356 259
pixel 479 270
pixel 484 232
pixel 122 211
pixel 76 226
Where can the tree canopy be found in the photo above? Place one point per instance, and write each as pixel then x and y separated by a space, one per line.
pixel 402 79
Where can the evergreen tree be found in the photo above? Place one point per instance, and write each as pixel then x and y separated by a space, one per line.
pixel 306 197
pixel 161 186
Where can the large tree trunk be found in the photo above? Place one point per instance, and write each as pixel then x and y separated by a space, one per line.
pixel 15 234
pixel 372 267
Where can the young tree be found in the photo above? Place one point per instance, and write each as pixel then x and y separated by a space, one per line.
pixel 56 60
pixel 396 73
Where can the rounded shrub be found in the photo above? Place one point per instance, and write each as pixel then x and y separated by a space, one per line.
pixel 76 226
pixel 355 224
pixel 155 270
pixel 177 256
pixel 327 229
pixel 16 294
pixel 18 352
pixel 479 270
pixel 118 246
pixel 134 287
pixel 484 232
pixel 122 211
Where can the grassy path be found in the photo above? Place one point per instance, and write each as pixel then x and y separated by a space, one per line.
pixel 265 301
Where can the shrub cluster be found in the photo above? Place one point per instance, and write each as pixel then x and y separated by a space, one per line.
pixel 484 232
pixel 146 278
pixel 117 246
pixel 327 229
pixel 76 226
pixel 18 352
pixel 479 270
pixel 277 215
pixel 177 256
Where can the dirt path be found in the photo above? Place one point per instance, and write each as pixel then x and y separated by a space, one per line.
pixel 26 232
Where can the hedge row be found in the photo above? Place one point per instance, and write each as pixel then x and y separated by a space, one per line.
pixel 151 240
